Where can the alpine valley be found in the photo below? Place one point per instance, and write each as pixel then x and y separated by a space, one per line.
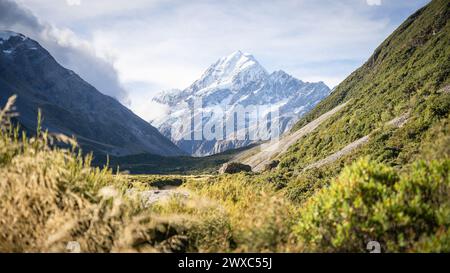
pixel 362 168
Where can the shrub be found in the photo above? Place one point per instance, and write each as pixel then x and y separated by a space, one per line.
pixel 370 201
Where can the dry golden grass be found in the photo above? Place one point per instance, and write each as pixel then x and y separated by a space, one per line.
pixel 51 196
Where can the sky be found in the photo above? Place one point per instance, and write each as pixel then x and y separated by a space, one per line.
pixel 133 49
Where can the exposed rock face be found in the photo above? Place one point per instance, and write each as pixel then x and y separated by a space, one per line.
pixel 69 104
pixel 234 167
pixel 237 80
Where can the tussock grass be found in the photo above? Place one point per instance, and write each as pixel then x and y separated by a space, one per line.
pixel 260 217
pixel 50 196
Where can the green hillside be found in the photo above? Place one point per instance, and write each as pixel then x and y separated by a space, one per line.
pixel 408 75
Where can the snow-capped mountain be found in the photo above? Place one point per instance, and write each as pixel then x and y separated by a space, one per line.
pixel 234 82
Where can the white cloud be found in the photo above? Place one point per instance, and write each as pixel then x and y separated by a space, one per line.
pixel 149 110
pixel 173 49
pixel 374 2
pixel 73 2
pixel 67 47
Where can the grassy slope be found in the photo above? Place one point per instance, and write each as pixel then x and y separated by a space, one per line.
pixel 413 60
pixel 405 74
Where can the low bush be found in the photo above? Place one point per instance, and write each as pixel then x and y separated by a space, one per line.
pixel 370 201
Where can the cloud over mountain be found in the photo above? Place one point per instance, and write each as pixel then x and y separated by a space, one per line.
pixel 73 52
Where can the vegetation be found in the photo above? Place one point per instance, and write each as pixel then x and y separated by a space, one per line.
pixel 369 201
pixel 395 189
pixel 155 164
pixel 51 196
pixel 408 75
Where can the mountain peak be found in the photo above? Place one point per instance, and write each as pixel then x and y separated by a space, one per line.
pixel 234 81
pixel 238 56
pixel 11 41
pixel 238 67
pixel 236 61
pixel 7 34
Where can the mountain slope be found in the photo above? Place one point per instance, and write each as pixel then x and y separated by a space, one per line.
pixel 413 58
pixel 235 81
pixel 69 104
pixel 405 74
pixel 398 102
